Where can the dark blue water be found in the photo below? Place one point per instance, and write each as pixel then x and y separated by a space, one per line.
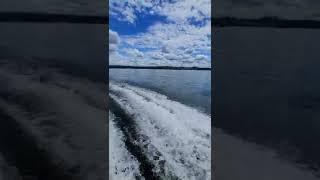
pixel 189 87
pixel 267 89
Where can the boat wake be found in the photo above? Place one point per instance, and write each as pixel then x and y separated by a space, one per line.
pixel 123 164
pixel 154 137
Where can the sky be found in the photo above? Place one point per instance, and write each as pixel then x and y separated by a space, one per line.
pixel 285 9
pixel 160 33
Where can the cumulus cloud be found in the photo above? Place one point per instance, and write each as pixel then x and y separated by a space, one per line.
pixel 135 53
pixel 165 49
pixel 157 56
pixel 183 10
pixel 177 41
pixel 113 37
pixel 170 40
pixel 200 57
pixel 114 40
pixel 189 51
pixel 180 10
pixel 173 57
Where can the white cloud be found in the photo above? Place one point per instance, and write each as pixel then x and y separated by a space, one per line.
pixel 184 9
pixel 173 57
pixel 200 57
pixel 178 11
pixel 172 38
pixel 112 48
pixel 177 42
pixel 114 40
pixel 165 49
pixel 134 53
pixel 188 51
pixel 157 56
pixel 126 9
pixel 113 37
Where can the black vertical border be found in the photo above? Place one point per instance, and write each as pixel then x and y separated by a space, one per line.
pixel 107 82
pixel 213 69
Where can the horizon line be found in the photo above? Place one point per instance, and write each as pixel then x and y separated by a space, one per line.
pixel 265 21
pixel 38 17
pixel 159 67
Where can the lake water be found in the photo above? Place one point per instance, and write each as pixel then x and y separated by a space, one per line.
pixel 190 87
pixel 39 61
pixel 267 89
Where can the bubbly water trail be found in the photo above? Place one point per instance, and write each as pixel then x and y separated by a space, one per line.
pixel 122 164
pixel 176 138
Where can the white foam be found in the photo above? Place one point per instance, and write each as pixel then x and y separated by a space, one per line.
pixel 122 165
pixel 180 133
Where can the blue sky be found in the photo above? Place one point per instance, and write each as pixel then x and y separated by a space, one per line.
pixel 160 32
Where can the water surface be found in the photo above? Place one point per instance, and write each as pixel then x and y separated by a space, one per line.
pixel 267 89
pixel 187 86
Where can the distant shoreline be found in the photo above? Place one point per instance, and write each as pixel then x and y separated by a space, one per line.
pixel 274 22
pixel 51 18
pixel 158 67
